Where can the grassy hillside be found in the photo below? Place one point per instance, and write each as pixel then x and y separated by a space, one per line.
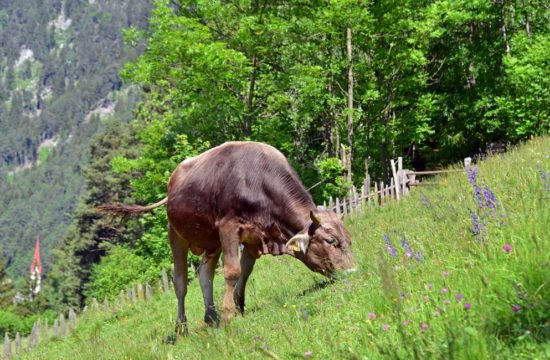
pixel 462 294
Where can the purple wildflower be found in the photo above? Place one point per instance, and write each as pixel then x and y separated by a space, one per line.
pixel 419 256
pixel 490 198
pixel 390 248
pixel 372 316
pixel 507 248
pixel 445 274
pixel 545 177
pixel 424 327
pixel 447 301
pixel 436 314
pixel 406 322
pixel 477 229
pixel 308 354
pixel 407 247
pixel 430 286
pixel 516 308
pixel 459 296
pixel 467 306
pixel 385 327
pixel 444 290
pixel 472 175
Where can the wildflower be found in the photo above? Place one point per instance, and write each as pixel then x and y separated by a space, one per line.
pixel 459 296
pixel 490 198
pixel 444 290
pixel 406 322
pixel 419 256
pixel 545 177
pixel 407 247
pixel 372 316
pixel 478 227
pixel 385 327
pixel 447 301
pixel 430 286
pixel 472 175
pixel 308 354
pixel 445 274
pixel 390 248
pixel 424 327
pixel 467 306
pixel 507 248
pixel 516 308
pixel 436 314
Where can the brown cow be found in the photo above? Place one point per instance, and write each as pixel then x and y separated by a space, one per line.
pixel 243 195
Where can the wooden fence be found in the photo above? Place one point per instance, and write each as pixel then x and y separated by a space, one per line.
pixel 15 345
pixel 371 194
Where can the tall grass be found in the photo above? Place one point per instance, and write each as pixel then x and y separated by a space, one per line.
pixel 450 291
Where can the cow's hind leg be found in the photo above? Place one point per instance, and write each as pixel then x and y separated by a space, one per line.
pixel 207 269
pixel 180 249
pixel 247 264
pixel 231 267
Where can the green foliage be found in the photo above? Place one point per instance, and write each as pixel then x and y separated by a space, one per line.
pixel 119 269
pixel 291 311
pixel 333 183
pixel 12 323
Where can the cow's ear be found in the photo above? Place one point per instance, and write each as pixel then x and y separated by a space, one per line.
pixel 299 242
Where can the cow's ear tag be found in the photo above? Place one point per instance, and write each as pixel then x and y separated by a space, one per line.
pixel 298 243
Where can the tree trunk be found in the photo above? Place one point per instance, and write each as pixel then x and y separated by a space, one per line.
pixel 250 99
pixel 503 27
pixel 527 20
pixel 471 67
pixel 350 105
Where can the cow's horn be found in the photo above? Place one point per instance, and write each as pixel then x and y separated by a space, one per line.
pixel 313 217
pixel 299 242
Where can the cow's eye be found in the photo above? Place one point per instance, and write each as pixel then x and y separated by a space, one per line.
pixel 330 241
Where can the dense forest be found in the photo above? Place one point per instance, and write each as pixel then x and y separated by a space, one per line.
pixel 333 84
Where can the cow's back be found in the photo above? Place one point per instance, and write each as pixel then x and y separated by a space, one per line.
pixel 248 181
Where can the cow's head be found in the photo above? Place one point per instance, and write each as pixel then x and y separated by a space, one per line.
pixel 325 246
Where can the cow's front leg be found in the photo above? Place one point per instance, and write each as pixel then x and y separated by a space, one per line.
pixel 247 264
pixel 179 252
pixel 207 269
pixel 231 269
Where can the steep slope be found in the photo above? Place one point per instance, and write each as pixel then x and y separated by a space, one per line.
pixel 59 64
pixel 454 289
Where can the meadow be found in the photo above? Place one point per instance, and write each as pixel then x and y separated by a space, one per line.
pixel 460 269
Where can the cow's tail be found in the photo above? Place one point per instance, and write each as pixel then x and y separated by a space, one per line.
pixel 123 209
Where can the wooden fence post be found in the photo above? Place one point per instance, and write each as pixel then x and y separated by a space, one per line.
pixel 35 336
pixel 7 347
pixel 17 344
pixel 164 281
pixel 95 305
pixel 105 304
pixel 338 207
pixel 140 294
pixel 395 179
pixel 375 194
pixel 56 327
pixel 393 193
pixel 382 188
pixel 121 299
pixel 467 162
pixel 148 291
pixel 345 206
pixel 62 325
pixel 72 319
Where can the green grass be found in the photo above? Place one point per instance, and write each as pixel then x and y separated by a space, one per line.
pixel 291 311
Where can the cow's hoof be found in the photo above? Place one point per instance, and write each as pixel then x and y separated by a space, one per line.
pixel 211 318
pixel 181 329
